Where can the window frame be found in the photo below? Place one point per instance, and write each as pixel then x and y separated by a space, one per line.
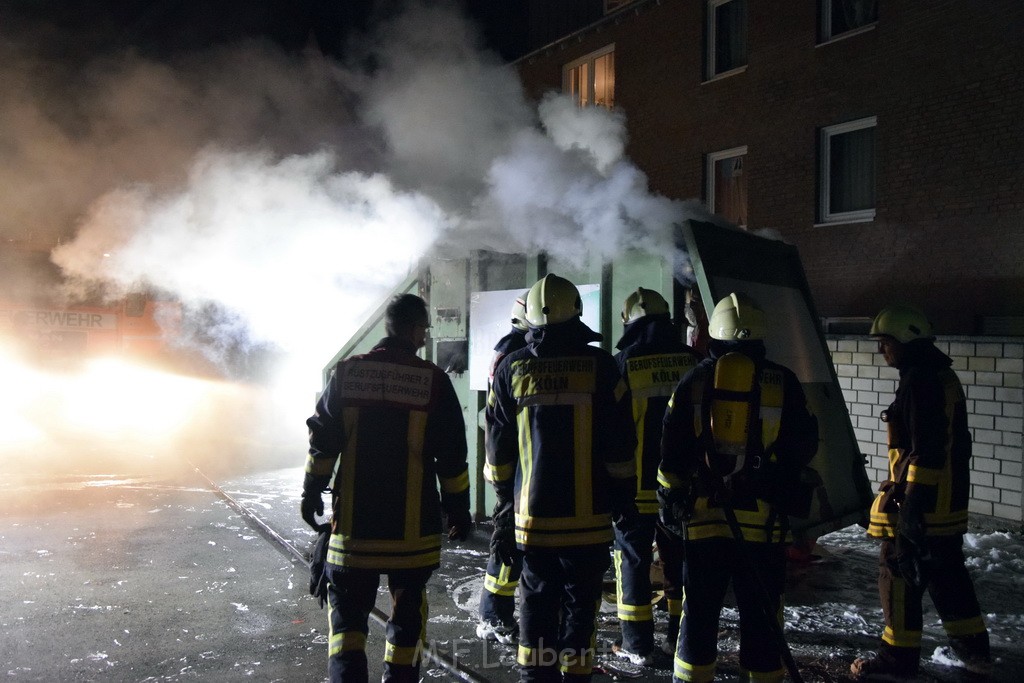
pixel 825 214
pixel 711 159
pixel 588 59
pixel 825 34
pixel 711 41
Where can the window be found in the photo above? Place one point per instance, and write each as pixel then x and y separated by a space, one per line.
pixel 847 171
pixel 727 186
pixel 591 79
pixel 726 36
pixel 843 16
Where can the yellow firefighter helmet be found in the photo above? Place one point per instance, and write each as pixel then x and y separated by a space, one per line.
pixel 737 318
pixel 902 323
pixel 552 300
pixel 643 302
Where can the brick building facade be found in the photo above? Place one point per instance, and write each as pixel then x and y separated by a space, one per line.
pixel 788 96
pixel 942 78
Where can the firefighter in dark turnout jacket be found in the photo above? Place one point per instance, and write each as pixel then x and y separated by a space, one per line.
pixel 737 434
pixel 497 597
pixel 391 425
pixel 920 512
pixel 652 359
pixel 560 456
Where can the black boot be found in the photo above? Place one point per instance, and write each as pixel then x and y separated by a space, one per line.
pixel 974 652
pixel 891 664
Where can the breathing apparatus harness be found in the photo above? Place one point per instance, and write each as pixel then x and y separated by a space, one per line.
pixel 737 462
pixel 731 429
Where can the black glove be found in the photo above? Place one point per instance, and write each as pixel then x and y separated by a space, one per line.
pixel 318 567
pixel 460 523
pixel 626 518
pixel 312 506
pixel 911 533
pixel 676 506
pixel 503 540
pixel 503 546
pixel 910 522
pixel 912 561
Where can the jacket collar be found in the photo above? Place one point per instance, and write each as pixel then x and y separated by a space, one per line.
pixel 554 339
pixel 647 330
pixel 396 344
pixel 922 353
pixel 753 349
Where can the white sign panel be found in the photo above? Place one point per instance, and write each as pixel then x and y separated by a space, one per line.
pixel 490 319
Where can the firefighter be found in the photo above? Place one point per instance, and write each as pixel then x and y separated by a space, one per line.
pixel 560 447
pixel 736 436
pixel 497 598
pixel 696 321
pixel 920 512
pixel 652 359
pixel 391 425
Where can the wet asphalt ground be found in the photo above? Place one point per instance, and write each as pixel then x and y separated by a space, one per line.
pixel 133 574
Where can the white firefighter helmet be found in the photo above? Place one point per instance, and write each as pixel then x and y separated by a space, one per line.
pixel 643 302
pixel 902 323
pixel 518 313
pixel 552 300
pixel 737 318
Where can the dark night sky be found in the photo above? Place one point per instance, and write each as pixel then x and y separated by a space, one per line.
pixel 164 27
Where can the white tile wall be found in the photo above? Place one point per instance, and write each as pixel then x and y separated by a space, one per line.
pixel 992 372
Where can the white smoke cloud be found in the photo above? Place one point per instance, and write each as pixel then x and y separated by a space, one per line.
pixel 596 130
pixel 75 131
pixel 296 247
pixel 445 106
pixel 567 189
pixel 317 185
pixel 294 193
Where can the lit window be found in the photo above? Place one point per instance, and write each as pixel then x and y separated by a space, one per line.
pixel 843 16
pixel 727 185
pixel 726 36
pixel 591 79
pixel 847 171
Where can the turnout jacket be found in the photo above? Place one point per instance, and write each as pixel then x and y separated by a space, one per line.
pixel 560 439
pixel 391 425
pixel 513 341
pixel 758 492
pixel 652 360
pixel 929 446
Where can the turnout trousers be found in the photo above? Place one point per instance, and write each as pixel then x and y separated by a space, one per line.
pixel 672 554
pixel 560 591
pixel 351 596
pixel 498 597
pixel 711 564
pixel 951 589
pixel 634 553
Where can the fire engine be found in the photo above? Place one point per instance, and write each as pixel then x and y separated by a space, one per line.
pixel 135 326
pixel 35 324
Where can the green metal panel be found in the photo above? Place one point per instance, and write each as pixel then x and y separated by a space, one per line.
pixel 448 299
pixel 726 260
pixel 632 270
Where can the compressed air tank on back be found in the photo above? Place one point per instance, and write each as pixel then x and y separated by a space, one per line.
pixel 730 412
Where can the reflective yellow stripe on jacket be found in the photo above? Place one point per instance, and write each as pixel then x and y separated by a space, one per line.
pixel 652 377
